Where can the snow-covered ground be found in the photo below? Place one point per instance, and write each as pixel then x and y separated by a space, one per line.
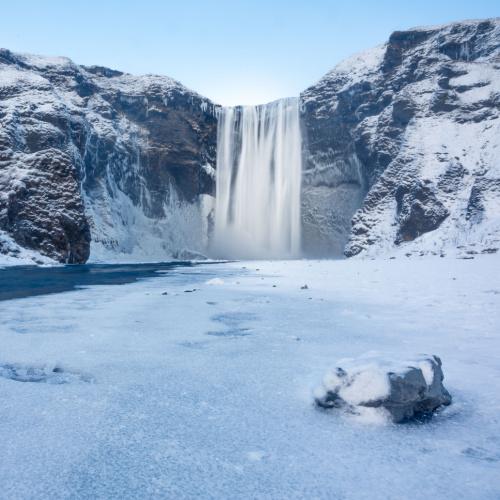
pixel 16 255
pixel 208 393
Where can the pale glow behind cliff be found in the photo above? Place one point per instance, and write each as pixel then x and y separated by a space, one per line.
pixel 246 90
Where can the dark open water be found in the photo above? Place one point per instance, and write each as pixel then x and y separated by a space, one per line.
pixel 27 281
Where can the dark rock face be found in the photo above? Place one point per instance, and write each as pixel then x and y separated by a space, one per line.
pixel 90 150
pixel 401 140
pixel 478 198
pixel 43 210
pixel 419 211
pixel 414 392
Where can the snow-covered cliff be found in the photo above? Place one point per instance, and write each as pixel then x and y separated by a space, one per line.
pixel 405 140
pixel 97 162
pixel 401 149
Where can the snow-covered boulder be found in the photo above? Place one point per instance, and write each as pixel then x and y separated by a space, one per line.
pixel 402 390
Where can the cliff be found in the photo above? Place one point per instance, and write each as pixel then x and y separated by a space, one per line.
pixel 92 158
pixel 402 145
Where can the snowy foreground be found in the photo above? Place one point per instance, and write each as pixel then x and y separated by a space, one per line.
pixel 209 393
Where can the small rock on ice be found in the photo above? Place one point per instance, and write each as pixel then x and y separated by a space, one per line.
pixel 404 390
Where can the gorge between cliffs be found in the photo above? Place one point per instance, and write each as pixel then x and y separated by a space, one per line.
pixel 393 151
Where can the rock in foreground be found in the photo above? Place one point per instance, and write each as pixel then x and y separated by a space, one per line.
pixel 403 390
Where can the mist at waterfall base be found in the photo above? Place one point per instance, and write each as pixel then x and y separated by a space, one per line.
pixel 259 165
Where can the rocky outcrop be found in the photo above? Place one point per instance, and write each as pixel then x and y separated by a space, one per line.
pixel 403 142
pixel 41 207
pixel 92 158
pixel 419 211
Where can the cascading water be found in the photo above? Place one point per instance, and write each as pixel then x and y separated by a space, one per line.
pixel 257 211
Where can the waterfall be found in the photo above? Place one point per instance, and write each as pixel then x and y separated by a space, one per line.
pixel 257 210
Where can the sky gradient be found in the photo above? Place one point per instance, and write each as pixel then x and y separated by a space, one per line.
pixel 235 52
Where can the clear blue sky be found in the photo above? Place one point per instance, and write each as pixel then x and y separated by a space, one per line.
pixel 235 52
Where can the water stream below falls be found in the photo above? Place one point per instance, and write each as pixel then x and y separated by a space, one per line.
pixel 257 213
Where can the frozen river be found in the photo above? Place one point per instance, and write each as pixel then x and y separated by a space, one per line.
pixel 197 383
pixel 28 281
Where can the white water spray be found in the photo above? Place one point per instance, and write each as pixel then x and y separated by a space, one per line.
pixel 257 212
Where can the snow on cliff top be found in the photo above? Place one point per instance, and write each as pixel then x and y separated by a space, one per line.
pixel 358 66
pixel 362 66
pixel 133 84
pixel 10 76
pixel 29 65
pixel 40 61
pixel 465 22
pixel 366 64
